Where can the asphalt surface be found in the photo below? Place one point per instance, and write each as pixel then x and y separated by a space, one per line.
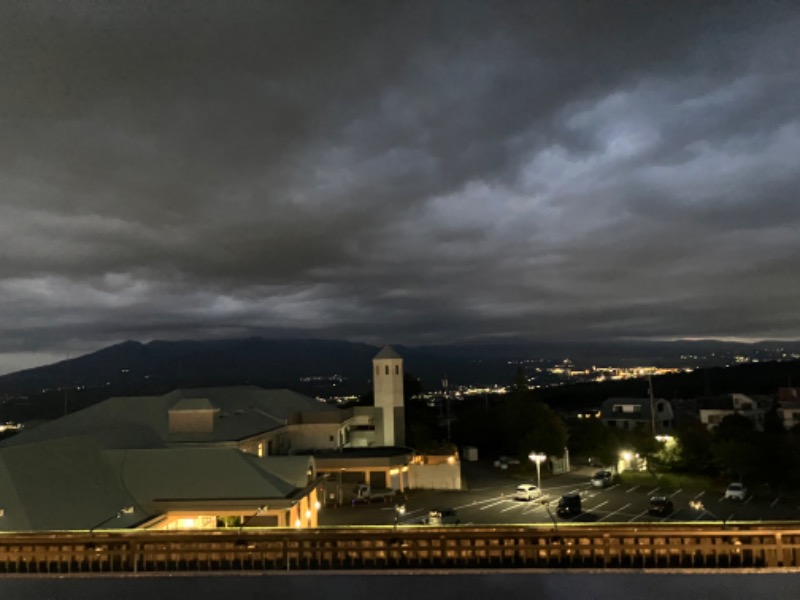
pixel 488 500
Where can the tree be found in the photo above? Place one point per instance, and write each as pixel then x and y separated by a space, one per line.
pixel 529 425
pixel 590 438
pixel 738 458
pixel 694 443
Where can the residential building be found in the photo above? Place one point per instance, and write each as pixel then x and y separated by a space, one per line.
pixel 789 406
pixel 712 410
pixel 646 414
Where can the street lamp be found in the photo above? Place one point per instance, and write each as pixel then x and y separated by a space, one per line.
pixel 244 522
pixel 538 458
pixel 399 511
pixel 125 510
pixel 698 506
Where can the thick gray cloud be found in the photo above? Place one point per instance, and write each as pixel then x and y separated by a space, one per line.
pixel 396 171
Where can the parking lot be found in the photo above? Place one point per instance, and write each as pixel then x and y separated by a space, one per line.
pixel 489 501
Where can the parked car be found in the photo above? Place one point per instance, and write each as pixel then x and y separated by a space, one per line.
pixel 442 516
pixel 569 505
pixel 660 506
pixel 736 491
pixel 527 491
pixel 602 479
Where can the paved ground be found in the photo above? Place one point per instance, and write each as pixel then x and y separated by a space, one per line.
pixel 489 500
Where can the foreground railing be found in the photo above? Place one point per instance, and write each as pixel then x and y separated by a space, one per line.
pixel 617 547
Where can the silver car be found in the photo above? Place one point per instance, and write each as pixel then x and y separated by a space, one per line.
pixel 736 491
pixel 527 491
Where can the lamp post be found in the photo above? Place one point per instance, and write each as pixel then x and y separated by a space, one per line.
pixel 244 522
pixel 446 406
pixel 538 458
pixel 399 511
pixel 125 510
pixel 698 506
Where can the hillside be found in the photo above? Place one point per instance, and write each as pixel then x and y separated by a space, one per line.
pixel 330 367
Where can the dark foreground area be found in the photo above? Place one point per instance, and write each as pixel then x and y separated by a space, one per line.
pixel 388 585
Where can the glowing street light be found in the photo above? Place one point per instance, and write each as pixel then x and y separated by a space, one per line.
pixel 399 511
pixel 538 458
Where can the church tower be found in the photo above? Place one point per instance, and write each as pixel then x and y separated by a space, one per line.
pixel 387 377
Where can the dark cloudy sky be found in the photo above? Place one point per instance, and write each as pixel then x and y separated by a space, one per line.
pixel 405 172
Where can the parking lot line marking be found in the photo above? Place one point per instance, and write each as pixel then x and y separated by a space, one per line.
pixel 698 495
pixel 675 493
pixel 512 507
pixel 654 491
pixel 615 512
pixel 641 514
pixel 628 491
pixel 498 503
pixel 598 506
pixel 534 509
pixel 774 502
pixel 477 502
pixel 748 499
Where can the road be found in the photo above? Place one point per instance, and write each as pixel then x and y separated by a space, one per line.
pixel 489 501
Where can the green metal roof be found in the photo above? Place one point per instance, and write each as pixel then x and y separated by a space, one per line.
pixel 79 483
pixel 244 411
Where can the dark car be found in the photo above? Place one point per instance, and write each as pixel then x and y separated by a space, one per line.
pixel 660 506
pixel 442 516
pixel 602 479
pixel 569 505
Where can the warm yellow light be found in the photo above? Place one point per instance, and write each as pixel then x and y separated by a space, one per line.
pixel 394 471
pixel 317 505
pixel 298 523
pixel 451 460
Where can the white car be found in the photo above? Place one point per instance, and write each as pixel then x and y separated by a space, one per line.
pixel 527 491
pixel 736 491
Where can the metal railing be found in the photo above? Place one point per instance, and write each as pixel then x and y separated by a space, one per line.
pixel 618 547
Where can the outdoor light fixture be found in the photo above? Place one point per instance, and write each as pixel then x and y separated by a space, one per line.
pixel 538 458
pixel 399 510
pixel 125 510
pixel 259 510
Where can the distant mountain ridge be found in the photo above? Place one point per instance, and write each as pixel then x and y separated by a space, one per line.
pixel 325 366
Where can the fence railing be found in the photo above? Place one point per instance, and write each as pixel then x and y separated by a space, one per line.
pixel 618 547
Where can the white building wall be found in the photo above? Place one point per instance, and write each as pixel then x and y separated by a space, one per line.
pixel 317 436
pixel 387 376
pixel 442 476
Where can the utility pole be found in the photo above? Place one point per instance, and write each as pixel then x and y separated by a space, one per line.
pixel 652 408
pixel 446 406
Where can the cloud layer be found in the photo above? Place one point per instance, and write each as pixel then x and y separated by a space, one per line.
pixel 397 171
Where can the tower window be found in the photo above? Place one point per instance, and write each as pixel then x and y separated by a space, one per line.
pixel 377 370
pixel 397 369
pixel 387 369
